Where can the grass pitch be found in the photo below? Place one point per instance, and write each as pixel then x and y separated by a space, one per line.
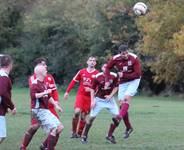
pixel 158 125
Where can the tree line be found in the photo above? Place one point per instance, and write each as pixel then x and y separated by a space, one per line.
pixel 67 32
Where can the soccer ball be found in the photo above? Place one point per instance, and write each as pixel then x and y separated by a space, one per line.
pixel 140 8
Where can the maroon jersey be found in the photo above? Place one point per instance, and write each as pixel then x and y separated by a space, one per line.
pixel 38 87
pixel 131 68
pixel 49 81
pixel 5 93
pixel 99 83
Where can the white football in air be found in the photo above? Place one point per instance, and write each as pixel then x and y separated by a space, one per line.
pixel 140 8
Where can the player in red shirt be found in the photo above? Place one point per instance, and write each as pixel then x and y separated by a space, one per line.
pixel 5 93
pixel 49 81
pixel 129 69
pixel 101 98
pixel 83 100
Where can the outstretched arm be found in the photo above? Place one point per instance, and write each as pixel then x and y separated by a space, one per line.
pixel 70 87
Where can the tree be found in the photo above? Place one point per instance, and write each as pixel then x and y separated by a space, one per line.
pixel 163 41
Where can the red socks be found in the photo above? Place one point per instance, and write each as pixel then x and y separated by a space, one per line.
pixel 124 109
pixel 111 129
pixel 27 137
pixel 74 124
pixel 51 141
pixel 81 127
pixel 126 121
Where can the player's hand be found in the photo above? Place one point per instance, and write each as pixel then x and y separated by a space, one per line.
pixel 66 96
pixel 87 89
pixel 120 74
pixel 48 91
pixel 106 85
pixel 58 108
pixel 108 97
pixel 14 111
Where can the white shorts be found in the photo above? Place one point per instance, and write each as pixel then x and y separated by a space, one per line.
pixel 46 119
pixel 2 127
pixel 128 88
pixel 110 105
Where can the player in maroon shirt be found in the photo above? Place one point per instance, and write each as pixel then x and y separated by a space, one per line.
pixel 129 69
pixel 101 98
pixel 83 99
pixel 5 93
pixel 40 98
pixel 49 81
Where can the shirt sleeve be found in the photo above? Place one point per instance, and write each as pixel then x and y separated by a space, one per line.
pixel 116 82
pixel 70 86
pixel 52 85
pixel 136 71
pixel 5 93
pixel 76 79
pixel 94 84
pixel 110 64
pixel 33 91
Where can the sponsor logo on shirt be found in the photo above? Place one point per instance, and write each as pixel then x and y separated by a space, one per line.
pixel 129 63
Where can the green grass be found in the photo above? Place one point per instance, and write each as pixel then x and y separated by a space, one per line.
pixel 158 125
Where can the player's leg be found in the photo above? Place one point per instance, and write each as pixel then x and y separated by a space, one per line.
pixel 93 113
pixel 82 123
pixel 2 139
pixel 43 145
pixel 28 136
pixel 113 108
pixel 125 100
pixel 131 89
pixel 53 137
pixel 75 121
pixel 51 124
pixel 30 132
pixel 76 116
pixel 2 128
pixel 128 125
pixel 85 109
pixel 86 129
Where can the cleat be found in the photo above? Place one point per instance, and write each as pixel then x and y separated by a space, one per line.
pixel 22 148
pixel 84 140
pixel 127 133
pixel 74 135
pixel 42 147
pixel 111 139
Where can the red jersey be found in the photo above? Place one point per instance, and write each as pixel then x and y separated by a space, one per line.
pixel 38 87
pixel 49 81
pixel 131 68
pixel 5 93
pixel 99 83
pixel 85 78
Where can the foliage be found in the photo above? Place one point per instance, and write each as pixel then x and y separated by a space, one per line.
pixel 163 41
pixel 66 34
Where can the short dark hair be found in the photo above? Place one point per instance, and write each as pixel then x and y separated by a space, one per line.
pixel 122 48
pixel 39 60
pixel 5 60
